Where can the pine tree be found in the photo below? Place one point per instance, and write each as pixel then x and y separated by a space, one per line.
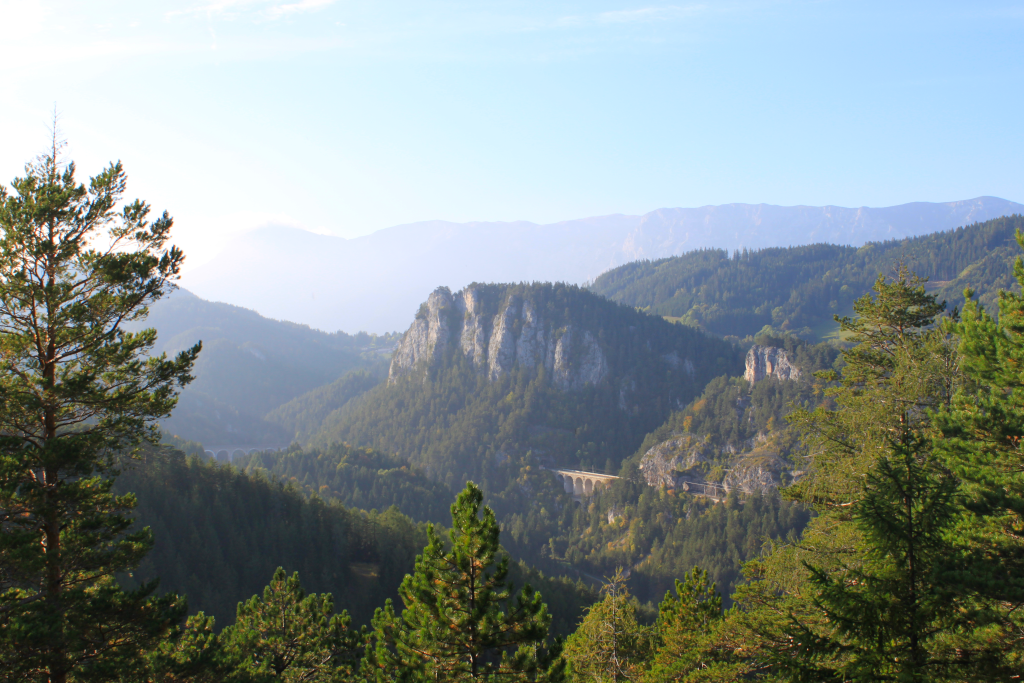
pixel 194 654
pixel 610 645
pixel 460 621
pixel 981 439
pixel 886 613
pixel 690 635
pixel 901 366
pixel 76 390
pixel 904 365
pixel 286 635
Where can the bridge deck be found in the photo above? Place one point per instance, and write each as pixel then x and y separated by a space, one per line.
pixel 581 483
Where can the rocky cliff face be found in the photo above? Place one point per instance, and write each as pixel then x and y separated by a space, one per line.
pixel 758 466
pixel 676 460
pixel 517 334
pixel 769 361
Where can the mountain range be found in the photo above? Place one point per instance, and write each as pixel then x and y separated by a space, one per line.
pixel 376 282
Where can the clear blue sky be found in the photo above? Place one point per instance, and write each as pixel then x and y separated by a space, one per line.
pixel 348 116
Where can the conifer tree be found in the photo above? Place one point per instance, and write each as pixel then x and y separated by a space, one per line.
pixel 610 645
pixel 194 654
pixel 903 366
pixel 76 390
pixel 982 441
pixel 286 635
pixel 690 643
pixel 886 612
pixel 460 621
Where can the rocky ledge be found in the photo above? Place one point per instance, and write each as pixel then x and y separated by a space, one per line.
pixel 769 361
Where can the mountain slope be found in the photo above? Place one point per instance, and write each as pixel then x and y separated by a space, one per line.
pixel 220 534
pixel 249 366
pixel 376 282
pixel 801 288
pixel 494 371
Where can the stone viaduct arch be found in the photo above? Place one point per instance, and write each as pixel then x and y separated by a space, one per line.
pixel 580 483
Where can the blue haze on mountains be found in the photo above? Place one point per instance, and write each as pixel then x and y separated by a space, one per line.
pixel 376 282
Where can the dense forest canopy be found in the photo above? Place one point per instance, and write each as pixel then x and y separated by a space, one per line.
pixel 220 533
pixel 355 477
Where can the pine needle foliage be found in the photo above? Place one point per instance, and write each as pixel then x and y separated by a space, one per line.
pixel 286 635
pixel 692 646
pixel 886 613
pixel 982 442
pixel 610 645
pixel 77 265
pixel 461 622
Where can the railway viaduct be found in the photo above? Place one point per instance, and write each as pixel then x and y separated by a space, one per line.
pixel 580 483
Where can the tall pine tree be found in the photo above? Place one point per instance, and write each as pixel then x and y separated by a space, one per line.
pixel 610 645
pixel 982 441
pixel 869 467
pixel 76 390
pixel 887 612
pixel 286 635
pixel 461 622
pixel 692 645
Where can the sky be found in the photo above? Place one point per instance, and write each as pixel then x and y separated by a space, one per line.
pixel 347 116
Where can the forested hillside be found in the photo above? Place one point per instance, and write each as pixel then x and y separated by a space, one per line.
pixel 250 365
pixel 734 434
pixel 355 477
pixel 220 533
pixel 565 376
pixel 801 288
pixel 455 418
pixel 304 416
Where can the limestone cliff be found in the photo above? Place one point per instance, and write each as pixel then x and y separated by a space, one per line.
pixel 517 334
pixel 769 361
pixel 759 465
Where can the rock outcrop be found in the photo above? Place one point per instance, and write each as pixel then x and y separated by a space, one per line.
pixel 671 462
pixel 769 361
pixel 757 465
pixel 754 473
pixel 517 335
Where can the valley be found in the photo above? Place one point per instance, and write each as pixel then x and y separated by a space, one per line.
pixel 516 342
pixel 552 457
pixel 506 385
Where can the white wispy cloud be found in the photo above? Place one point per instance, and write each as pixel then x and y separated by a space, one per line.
pixel 278 11
pixel 259 9
pixel 648 14
pixel 629 16
pixel 217 8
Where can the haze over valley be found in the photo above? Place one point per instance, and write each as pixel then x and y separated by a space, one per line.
pixel 374 283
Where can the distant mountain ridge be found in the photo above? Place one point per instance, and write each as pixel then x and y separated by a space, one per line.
pixel 800 289
pixel 376 282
